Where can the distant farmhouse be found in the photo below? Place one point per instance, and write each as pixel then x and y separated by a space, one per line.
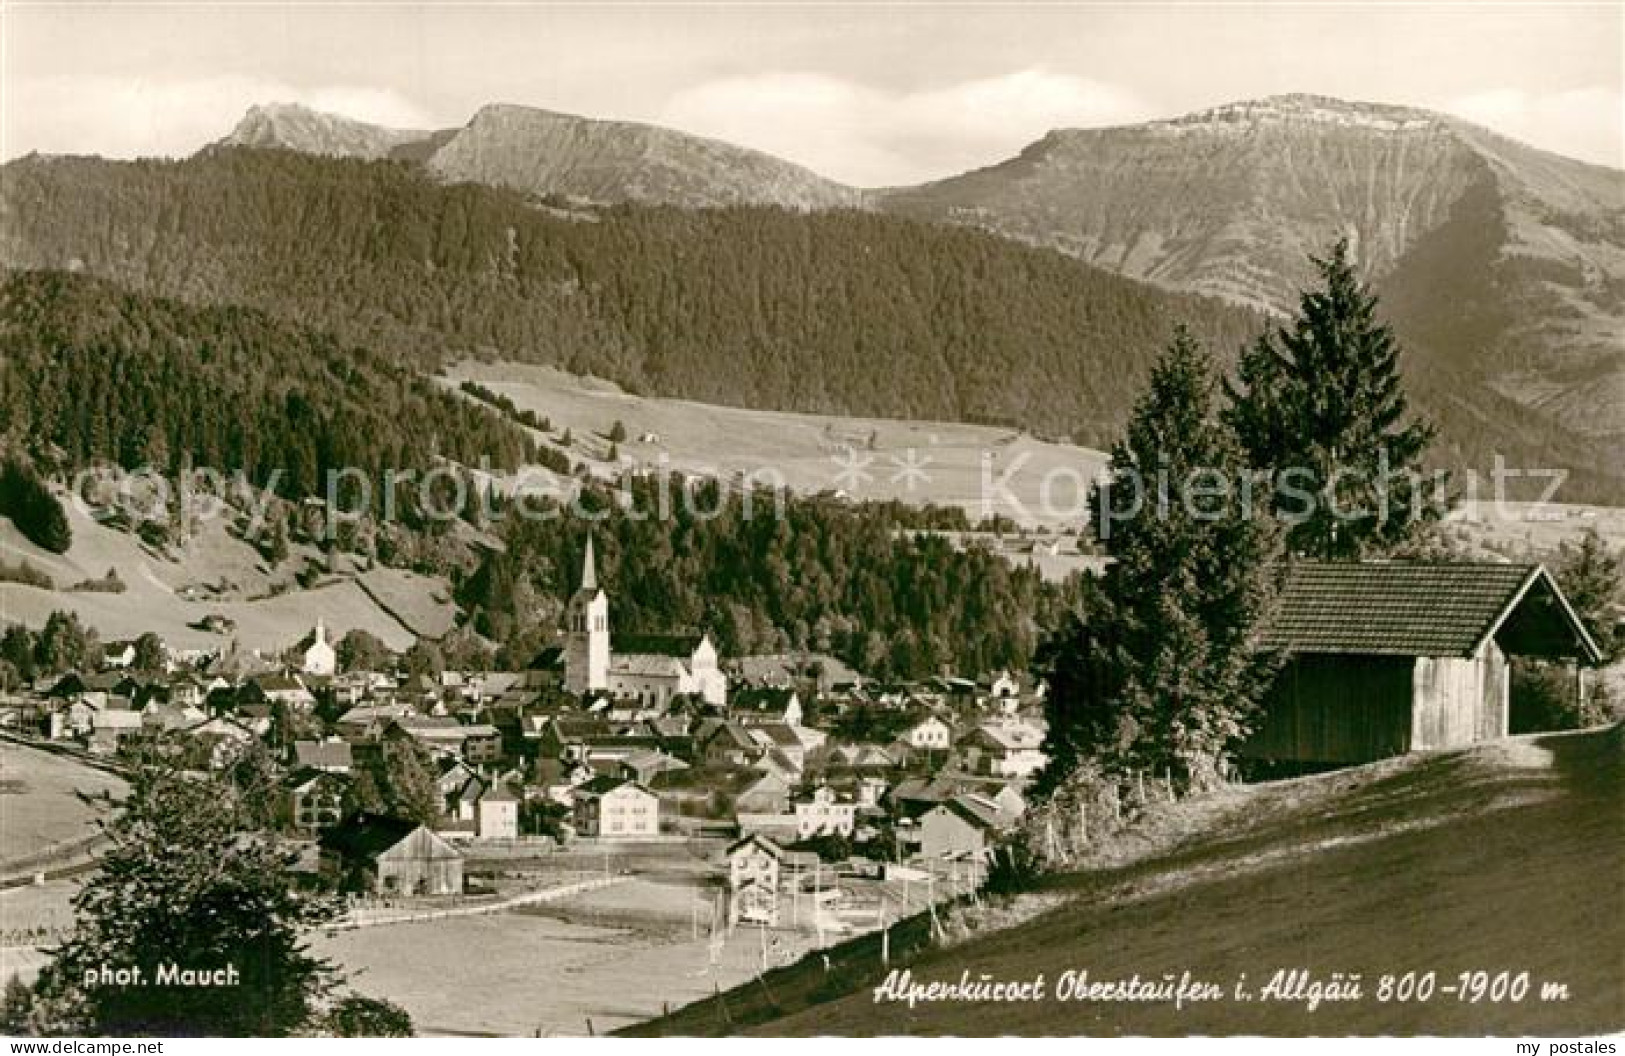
pixel 1392 657
pixel 650 669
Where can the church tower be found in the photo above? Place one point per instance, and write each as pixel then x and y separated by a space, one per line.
pixel 586 651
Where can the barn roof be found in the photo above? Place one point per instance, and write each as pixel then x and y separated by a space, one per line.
pixel 1398 608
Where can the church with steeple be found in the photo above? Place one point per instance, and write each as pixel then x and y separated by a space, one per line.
pixel 648 668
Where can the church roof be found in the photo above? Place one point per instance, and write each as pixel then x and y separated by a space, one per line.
pixel 589 569
pixel 681 646
pixel 645 665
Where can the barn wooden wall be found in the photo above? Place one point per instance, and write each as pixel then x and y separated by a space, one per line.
pixel 1459 700
pixel 422 864
pixel 1336 709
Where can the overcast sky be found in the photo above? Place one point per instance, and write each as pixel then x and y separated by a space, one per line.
pixel 866 94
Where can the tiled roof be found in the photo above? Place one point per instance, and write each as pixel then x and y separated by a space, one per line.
pixel 681 646
pixel 1393 608
pixel 645 665
pixel 323 753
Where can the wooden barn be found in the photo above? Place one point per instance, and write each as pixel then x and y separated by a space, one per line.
pixel 391 856
pixel 1385 658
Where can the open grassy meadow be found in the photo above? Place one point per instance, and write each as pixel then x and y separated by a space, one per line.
pixel 613 957
pixel 984 470
pixel 213 573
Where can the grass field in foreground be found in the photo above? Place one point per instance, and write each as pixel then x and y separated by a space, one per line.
pixel 1506 857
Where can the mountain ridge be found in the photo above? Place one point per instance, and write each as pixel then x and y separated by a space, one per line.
pixel 547 152
pixel 847 312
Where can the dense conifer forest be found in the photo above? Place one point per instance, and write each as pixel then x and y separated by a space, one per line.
pixel 91 374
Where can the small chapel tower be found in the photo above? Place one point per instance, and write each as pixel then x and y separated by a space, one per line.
pixel 586 656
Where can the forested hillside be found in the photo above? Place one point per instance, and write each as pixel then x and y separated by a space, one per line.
pixel 841 312
pixel 829 576
pixel 107 376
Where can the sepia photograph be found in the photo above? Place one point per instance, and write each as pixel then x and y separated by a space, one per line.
pixel 808 518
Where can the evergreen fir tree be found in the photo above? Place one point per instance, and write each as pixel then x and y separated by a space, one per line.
pixel 1321 408
pixel 181 883
pixel 1158 672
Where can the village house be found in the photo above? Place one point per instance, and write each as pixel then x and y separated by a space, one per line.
pixel 1005 749
pixel 966 826
pixel 773 761
pixel 730 744
pixel 645 764
pixel 793 742
pixel 222 740
pixel 567 736
pixel 331 756
pixel 614 808
pixel 497 813
pixel 368 721
pixel 384 855
pixel 187 691
pixel 110 726
pixel 759 872
pixel 162 716
pixel 929 734
pixel 118 654
pixel 1392 657
pixel 780 707
pixel 767 793
pixel 315 798
pixel 278 689
pixel 476 744
pixel 824 813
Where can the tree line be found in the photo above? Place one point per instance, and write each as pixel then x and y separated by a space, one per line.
pixel 92 374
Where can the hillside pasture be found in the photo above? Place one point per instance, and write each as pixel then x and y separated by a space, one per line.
pixel 213 572
pixel 1033 482
pixel 40 807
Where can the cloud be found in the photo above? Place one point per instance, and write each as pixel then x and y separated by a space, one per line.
pixel 871 137
pixel 1585 123
pixel 131 117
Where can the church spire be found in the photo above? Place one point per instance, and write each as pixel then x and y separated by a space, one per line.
pixel 589 568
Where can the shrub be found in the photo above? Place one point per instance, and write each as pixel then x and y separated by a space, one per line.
pixel 368 1017
pixel 38 514
pixel 26 574
pixel 108 584
pixel 1015 867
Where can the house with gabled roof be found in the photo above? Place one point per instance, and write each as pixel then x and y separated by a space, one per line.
pixel 497 813
pixel 1389 657
pixel 963 827
pixel 331 756
pixel 614 808
pixel 730 744
pixel 1005 749
pixel 385 855
pixel 315 798
pixel 766 705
